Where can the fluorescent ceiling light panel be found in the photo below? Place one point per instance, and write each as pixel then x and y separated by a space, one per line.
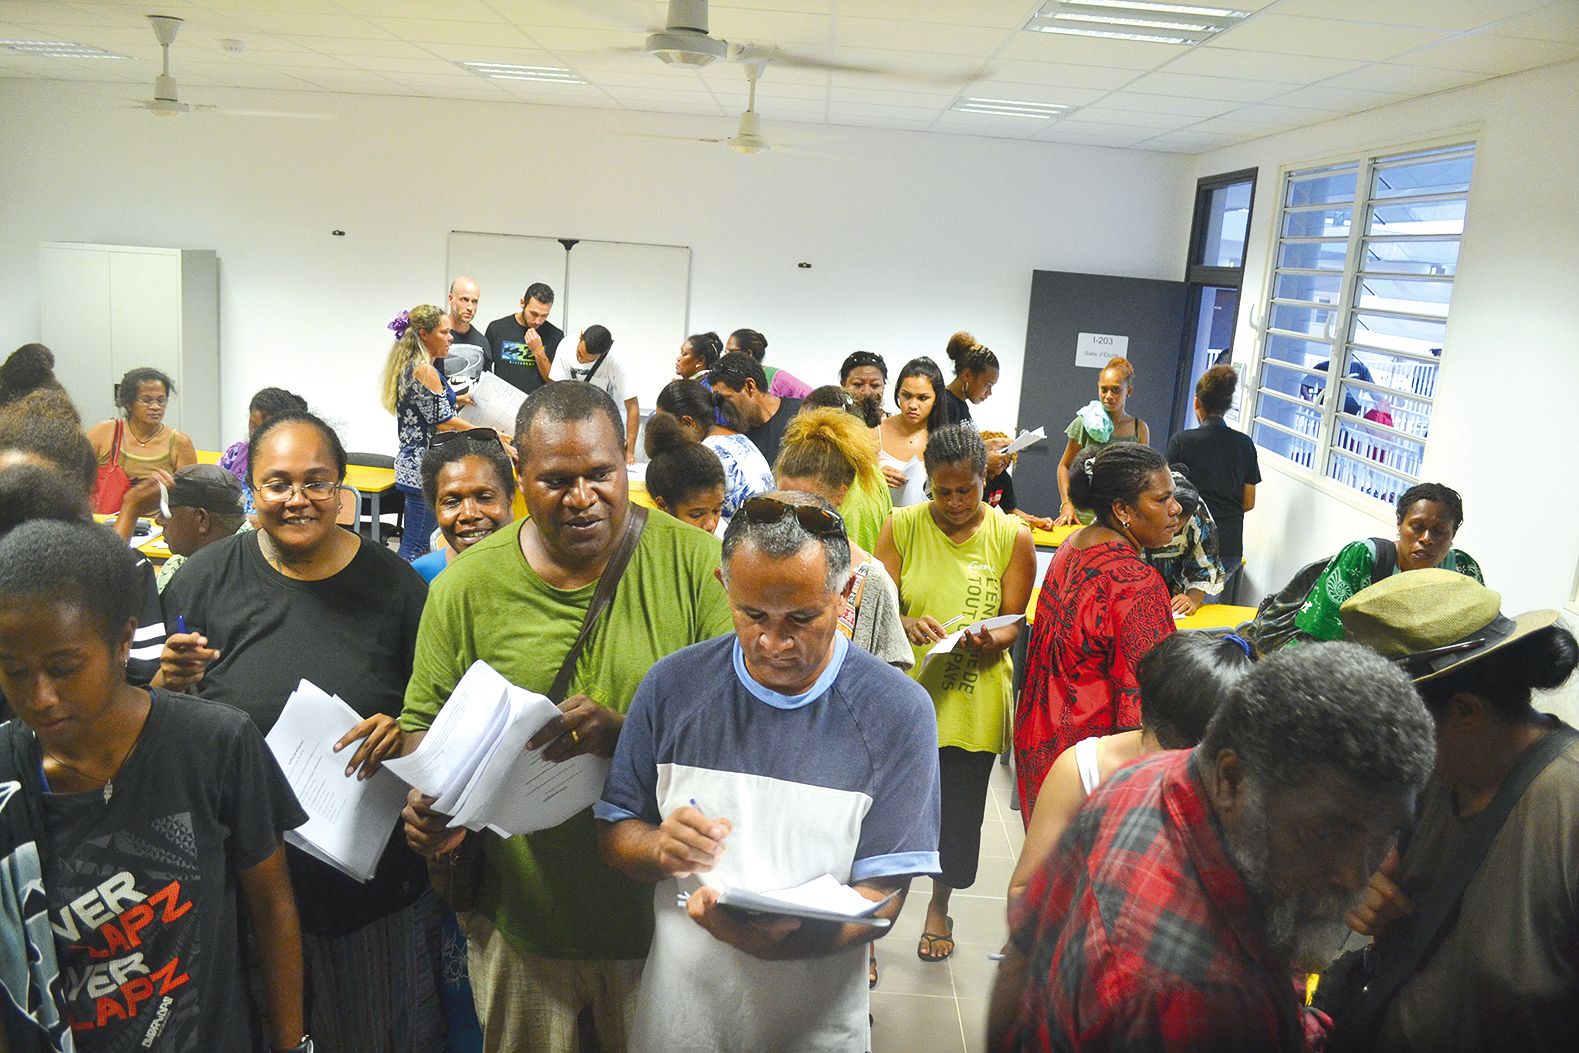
pixel 506 71
pixel 1158 23
pixel 58 49
pixel 1012 108
pixel 1172 9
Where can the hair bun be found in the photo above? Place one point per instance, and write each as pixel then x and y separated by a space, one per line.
pixel 1551 657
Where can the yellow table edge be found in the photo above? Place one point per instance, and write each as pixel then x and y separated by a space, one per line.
pixel 367 479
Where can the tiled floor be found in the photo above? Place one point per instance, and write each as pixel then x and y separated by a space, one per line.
pixel 941 1007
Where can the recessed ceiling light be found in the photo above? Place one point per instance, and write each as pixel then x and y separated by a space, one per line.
pixel 58 49
pixel 506 71
pixel 1172 9
pixel 1157 23
pixel 1012 108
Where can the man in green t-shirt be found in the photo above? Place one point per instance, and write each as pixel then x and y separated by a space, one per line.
pixel 555 933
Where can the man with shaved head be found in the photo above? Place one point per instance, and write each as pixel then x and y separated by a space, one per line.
pixel 463 298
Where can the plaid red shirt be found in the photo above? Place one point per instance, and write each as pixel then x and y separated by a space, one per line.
pixel 1140 933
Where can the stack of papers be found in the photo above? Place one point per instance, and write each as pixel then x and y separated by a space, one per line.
pixel 349 820
pixel 821 899
pixel 474 760
pixel 494 405
pixel 949 642
pixel 1024 439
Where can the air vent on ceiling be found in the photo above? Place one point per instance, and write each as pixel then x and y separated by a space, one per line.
pixel 542 74
pixel 1159 23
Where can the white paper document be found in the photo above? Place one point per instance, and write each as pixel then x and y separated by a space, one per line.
pixel 949 642
pixel 349 820
pixel 821 899
pixel 495 404
pixel 1026 438
pixel 475 764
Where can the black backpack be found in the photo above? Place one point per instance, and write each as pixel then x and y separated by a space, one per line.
pixel 1273 625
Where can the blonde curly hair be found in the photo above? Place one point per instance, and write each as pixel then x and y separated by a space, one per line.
pixel 831 446
pixel 407 353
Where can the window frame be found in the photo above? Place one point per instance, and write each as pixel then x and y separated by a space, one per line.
pixel 1198 276
pixel 1337 334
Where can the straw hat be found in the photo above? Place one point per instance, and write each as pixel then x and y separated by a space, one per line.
pixel 1431 621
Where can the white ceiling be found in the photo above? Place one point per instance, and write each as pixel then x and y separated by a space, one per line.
pixel 1291 63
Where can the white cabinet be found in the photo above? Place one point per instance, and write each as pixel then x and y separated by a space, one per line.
pixel 105 309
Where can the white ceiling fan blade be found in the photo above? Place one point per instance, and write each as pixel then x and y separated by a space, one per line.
pixel 632 16
pixel 285 114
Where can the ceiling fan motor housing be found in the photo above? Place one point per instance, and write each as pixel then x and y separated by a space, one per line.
pixel 684 40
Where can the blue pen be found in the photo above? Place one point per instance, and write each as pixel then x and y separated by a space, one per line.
pixel 697 806
pixel 180 623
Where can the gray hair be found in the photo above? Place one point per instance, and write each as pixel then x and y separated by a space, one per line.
pixel 787 537
pixel 1334 705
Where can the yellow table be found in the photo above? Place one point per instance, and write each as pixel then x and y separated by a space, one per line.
pixel 372 483
pixel 1220 617
pixel 155 550
pixel 1052 538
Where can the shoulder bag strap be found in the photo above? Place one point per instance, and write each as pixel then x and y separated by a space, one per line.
pixel 1398 960
pixel 635 520
pixel 1386 560
pixel 594 372
pixel 115 446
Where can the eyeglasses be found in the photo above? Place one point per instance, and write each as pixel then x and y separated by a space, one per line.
pixel 152 403
pixel 277 491
pixel 475 434
pixel 818 522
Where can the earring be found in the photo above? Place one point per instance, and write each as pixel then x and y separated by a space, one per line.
pixel 1125 522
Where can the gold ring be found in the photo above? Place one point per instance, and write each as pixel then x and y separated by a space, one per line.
pixel 574 737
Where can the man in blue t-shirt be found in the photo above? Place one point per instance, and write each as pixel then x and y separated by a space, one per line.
pixel 760 761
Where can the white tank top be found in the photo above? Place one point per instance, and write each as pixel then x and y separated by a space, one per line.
pixel 1088 760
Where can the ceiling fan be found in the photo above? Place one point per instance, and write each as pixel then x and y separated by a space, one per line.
pixel 748 137
pixel 166 101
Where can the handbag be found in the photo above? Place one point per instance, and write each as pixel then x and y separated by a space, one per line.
pixel 457 875
pixel 111 482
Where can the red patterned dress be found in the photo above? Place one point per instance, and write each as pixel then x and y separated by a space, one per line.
pixel 1101 608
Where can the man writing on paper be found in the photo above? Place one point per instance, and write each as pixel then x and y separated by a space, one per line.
pixel 555 933
pixel 760 761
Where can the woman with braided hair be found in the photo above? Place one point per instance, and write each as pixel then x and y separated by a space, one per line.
pixel 1100 610
pixel 958 562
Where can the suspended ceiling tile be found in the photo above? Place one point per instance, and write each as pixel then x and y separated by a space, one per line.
pixel 893 34
pixel 1134 100
pixel 1325 38
pixel 902 113
pixel 1484 53
pixel 398 66
pixel 1217 88
pixel 785 28
pixel 1288 116
pixel 1404 80
pixel 1063 132
pixel 1129 118
pixel 1559 21
pixel 456 10
pixel 1207 60
pixel 359 51
pixel 430 33
pixel 314 24
pixel 1002 14
pixel 1455 15
pixel 1344 100
pixel 1190 140
pixel 855 120
pixel 878 97
pixel 518 56
pixel 1035 93
pixel 1032 46
pixel 1056 74
pixel 1241 127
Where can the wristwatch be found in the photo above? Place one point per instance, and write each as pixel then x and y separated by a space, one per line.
pixel 304 1046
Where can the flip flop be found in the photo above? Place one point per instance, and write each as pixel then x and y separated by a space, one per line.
pixel 930 940
pixel 871 968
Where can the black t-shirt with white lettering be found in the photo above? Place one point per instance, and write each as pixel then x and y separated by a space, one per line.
pixel 509 357
pixel 143 889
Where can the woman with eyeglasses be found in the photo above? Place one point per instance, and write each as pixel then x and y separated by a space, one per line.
pixel 958 562
pixel 415 390
pixel 302 598
pixel 146 448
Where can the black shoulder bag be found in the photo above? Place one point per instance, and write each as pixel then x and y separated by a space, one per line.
pixel 457 875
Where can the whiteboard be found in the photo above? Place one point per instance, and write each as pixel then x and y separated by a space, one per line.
pixel 641 294
pixel 503 265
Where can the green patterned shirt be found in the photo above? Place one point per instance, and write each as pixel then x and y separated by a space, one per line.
pixel 1348 573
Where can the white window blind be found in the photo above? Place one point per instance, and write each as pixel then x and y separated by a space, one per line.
pixel 1366 256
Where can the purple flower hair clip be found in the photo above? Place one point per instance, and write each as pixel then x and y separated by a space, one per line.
pixel 401 323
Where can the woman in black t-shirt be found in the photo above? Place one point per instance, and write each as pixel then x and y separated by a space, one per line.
pixel 302 598
pixel 136 821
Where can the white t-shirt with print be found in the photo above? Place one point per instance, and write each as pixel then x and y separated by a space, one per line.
pixel 610 375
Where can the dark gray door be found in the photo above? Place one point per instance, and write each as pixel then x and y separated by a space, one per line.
pixel 1149 311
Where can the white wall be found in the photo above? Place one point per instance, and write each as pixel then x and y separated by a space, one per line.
pixel 911 236
pixel 1505 432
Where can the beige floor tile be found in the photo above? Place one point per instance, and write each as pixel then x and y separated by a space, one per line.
pixel 915 1024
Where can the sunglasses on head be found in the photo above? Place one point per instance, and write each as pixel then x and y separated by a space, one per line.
pixel 475 434
pixel 818 522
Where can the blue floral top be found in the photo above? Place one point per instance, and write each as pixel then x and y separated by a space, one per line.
pixel 746 471
pixel 234 461
pixel 418 414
